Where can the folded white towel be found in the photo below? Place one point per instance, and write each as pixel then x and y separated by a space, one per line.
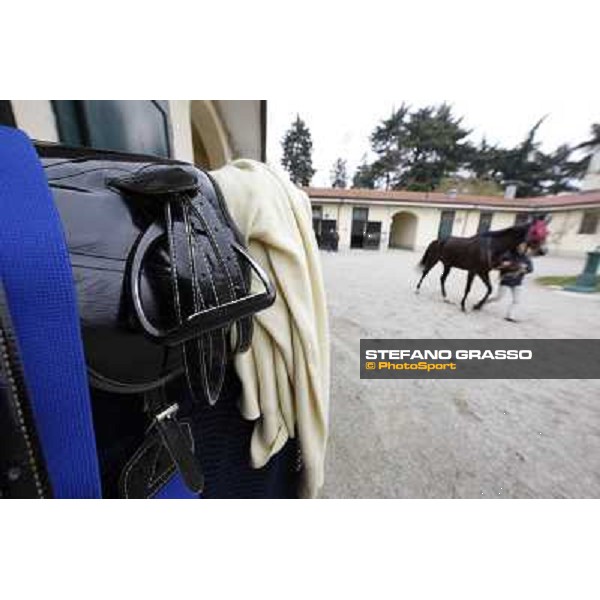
pixel 285 374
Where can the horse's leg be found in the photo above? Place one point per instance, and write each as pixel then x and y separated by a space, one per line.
pixel 429 260
pixel 425 271
pixel 485 277
pixel 447 269
pixel 470 277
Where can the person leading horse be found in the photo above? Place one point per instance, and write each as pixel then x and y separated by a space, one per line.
pixel 481 253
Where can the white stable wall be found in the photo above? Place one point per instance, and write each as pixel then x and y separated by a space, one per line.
pixel 564 238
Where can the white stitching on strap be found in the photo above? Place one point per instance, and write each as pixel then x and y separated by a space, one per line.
pixel 20 416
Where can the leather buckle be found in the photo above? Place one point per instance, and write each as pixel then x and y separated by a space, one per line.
pixel 176 443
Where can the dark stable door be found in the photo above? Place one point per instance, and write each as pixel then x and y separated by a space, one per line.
pixel 329 235
pixel 446 223
pixel 485 222
pixel 357 237
pixel 317 229
pixel 373 235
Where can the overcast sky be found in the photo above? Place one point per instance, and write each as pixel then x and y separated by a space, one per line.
pixel 340 126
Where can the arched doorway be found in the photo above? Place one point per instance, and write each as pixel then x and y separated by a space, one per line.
pixel 403 231
pixel 209 137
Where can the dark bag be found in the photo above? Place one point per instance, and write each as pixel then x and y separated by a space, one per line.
pixel 161 272
pixel 163 288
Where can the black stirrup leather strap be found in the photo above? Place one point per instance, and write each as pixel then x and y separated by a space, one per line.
pixel 209 291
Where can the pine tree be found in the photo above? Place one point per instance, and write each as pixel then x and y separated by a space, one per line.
pixel 297 153
pixel 535 173
pixel 594 140
pixel 417 149
pixel 364 176
pixel 389 141
pixel 559 171
pixel 588 147
pixel 339 176
pixel 482 161
pixel 522 165
pixel 427 148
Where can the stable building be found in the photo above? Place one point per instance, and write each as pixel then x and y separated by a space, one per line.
pixel 378 220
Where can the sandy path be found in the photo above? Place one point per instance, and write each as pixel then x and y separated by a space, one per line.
pixel 468 439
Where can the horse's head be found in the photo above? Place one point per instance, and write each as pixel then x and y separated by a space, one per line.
pixel 536 235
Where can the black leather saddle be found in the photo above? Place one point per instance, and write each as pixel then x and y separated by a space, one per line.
pixel 163 286
pixel 161 272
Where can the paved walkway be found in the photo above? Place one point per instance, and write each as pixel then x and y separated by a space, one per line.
pixel 445 439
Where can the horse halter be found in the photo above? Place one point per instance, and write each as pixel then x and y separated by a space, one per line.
pixel 537 233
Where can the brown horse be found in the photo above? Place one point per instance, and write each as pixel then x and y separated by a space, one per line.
pixel 480 254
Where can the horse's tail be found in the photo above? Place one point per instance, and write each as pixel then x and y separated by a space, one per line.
pixel 431 255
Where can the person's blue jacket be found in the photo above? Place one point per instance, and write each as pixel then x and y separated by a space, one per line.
pixel 520 265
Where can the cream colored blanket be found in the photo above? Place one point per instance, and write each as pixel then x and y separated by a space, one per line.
pixel 285 374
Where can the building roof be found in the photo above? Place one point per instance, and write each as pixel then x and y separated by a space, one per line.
pixel 426 198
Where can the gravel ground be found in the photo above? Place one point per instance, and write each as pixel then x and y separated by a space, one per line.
pixel 455 439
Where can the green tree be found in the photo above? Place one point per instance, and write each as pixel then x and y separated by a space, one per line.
pixel 417 149
pixel 427 149
pixel 536 173
pixel 560 172
pixel 389 141
pixel 339 174
pixel 438 147
pixel 483 161
pixel 523 165
pixel 364 176
pixel 297 153
pixel 586 147
pixel 593 141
